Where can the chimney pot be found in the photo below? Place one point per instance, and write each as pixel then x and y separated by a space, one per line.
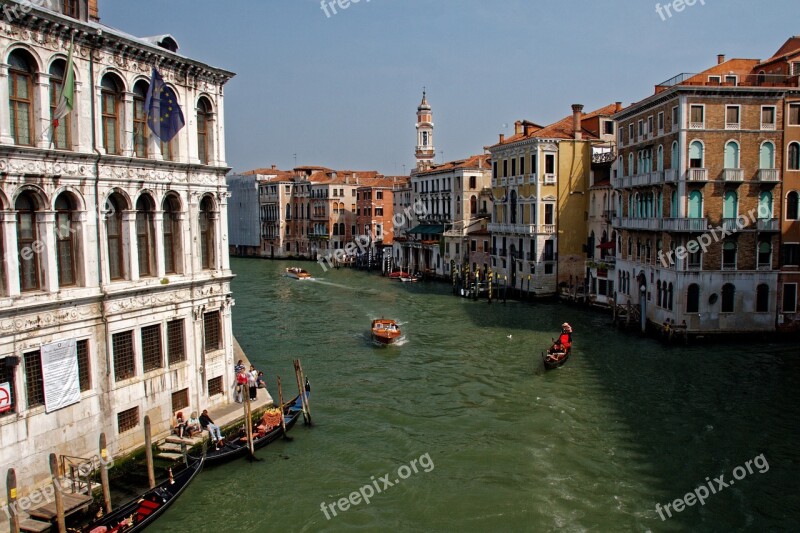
pixel 720 59
pixel 518 127
pixel 502 137
pixel 618 107
pixel 577 109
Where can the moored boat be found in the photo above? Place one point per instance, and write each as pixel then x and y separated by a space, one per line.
pixel 236 447
pixel 144 510
pixel 559 352
pixel 399 274
pixel 385 331
pixel 298 273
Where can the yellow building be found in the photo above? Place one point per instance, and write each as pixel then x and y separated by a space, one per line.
pixel 540 181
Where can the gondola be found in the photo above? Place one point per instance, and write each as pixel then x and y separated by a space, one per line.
pixel 236 447
pixel 558 353
pixel 144 510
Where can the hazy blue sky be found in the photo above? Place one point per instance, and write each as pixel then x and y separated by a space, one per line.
pixel 342 91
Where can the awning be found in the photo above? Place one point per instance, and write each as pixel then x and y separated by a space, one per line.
pixel 609 245
pixel 428 229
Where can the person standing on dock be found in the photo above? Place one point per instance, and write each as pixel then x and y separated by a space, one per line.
pixel 252 385
pixel 241 383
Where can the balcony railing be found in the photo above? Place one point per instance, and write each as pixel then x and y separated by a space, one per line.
pixel 616 183
pixel 768 126
pixel 697 125
pixel 548 229
pixel 640 180
pixel 517 229
pixel 647 224
pixel 735 175
pixel 657 177
pixel 697 174
pixel 729 224
pixel 732 125
pixel 685 224
pixel 768 224
pixel 549 179
pixel 769 175
pixel 670 175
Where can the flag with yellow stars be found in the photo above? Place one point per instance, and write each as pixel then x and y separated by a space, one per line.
pixel 164 115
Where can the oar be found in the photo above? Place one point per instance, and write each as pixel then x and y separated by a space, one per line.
pixel 283 420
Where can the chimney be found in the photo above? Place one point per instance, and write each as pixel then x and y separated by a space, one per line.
pixel 720 59
pixel 518 127
pixel 274 167
pixel 577 109
pixel 93 13
pixel 502 138
pixel 618 107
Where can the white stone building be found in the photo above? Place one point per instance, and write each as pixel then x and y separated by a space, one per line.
pixel 108 240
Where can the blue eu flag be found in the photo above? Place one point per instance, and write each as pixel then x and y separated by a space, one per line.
pixel 164 115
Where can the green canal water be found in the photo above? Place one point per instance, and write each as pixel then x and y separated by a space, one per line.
pixel 498 444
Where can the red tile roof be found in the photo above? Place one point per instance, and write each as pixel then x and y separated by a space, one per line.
pixel 563 129
pixel 472 162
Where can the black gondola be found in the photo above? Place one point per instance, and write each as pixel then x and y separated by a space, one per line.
pixel 144 510
pixel 554 359
pixel 236 448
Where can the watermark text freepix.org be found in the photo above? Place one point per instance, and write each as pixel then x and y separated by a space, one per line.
pixel 665 11
pixel 702 492
pixel 368 491
pixel 331 5
pixel 716 234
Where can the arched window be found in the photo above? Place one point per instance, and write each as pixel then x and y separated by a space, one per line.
pixel 765 255
pixel 766 158
pixel 695 204
pixel 27 242
pixel 696 155
pixel 66 240
pixel 693 298
pixel 473 205
pixel 341 229
pixel 116 261
pixel 288 211
pixel 729 255
pixel 172 235
pixel 658 293
pixel 669 297
pixel 20 96
pixel 732 154
pixel 728 297
pixel 630 164
pixel 336 230
pixel 794 156
pixel 673 164
pixel 660 158
pixel 140 128
pixel 111 103
pixel 204 130
pixel 765 205
pixel 145 229
pixel 792 206
pixel 762 298
pixel 729 205
pixel 207 238
pixel 513 207
pixel 62 135
pixel 761 77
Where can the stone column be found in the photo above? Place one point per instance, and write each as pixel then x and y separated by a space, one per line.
pixel 158 235
pixel 130 253
pixel 41 111
pixel 10 257
pixel 46 226
pixel 126 125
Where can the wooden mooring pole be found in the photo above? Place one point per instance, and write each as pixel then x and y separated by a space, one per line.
pixel 148 452
pixel 248 422
pixel 104 473
pixel 11 487
pixel 62 526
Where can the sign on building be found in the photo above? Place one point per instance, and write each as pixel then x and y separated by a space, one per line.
pixel 5 397
pixel 60 373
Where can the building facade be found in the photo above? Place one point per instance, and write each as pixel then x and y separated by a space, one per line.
pixel 701 199
pixel 244 222
pixel 114 245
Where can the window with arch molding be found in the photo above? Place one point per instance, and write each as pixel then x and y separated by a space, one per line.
pixel 207 237
pixel 21 68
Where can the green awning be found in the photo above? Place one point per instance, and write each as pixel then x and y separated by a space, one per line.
pixel 428 229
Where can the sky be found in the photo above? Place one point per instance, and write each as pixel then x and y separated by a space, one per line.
pixel 341 89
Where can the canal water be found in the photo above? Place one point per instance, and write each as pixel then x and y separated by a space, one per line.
pixel 473 435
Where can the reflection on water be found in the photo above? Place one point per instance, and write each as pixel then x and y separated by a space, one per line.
pixel 593 446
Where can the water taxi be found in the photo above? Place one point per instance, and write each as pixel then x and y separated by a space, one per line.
pixel 297 273
pixel 385 331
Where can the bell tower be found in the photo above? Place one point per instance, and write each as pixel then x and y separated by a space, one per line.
pixel 425 151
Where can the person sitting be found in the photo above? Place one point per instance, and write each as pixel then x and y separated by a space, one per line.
pixel 213 429
pixel 193 425
pixel 180 426
pixel 260 382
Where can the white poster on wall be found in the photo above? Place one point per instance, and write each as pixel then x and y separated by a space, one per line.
pixel 60 374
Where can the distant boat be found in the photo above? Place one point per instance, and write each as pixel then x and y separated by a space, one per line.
pixel 409 279
pixel 399 274
pixel 561 349
pixel 297 273
pixel 385 331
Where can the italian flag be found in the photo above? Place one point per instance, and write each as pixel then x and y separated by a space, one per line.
pixel 67 96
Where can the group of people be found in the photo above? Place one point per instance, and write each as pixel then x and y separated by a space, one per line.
pixel 252 380
pixel 187 428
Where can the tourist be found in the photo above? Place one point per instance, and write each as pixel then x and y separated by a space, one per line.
pixel 193 425
pixel 180 426
pixel 252 378
pixel 260 382
pixel 238 367
pixel 241 382
pixel 213 429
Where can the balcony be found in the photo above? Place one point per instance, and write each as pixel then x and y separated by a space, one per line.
pixel 640 180
pixel 644 224
pixel 516 229
pixel 548 229
pixel 729 224
pixel 767 126
pixel 670 175
pixel 769 175
pixel 768 224
pixel 697 175
pixel 616 183
pixel 685 224
pixel 697 125
pixel 733 175
pixel 732 125
pixel 657 177
pixel 549 179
